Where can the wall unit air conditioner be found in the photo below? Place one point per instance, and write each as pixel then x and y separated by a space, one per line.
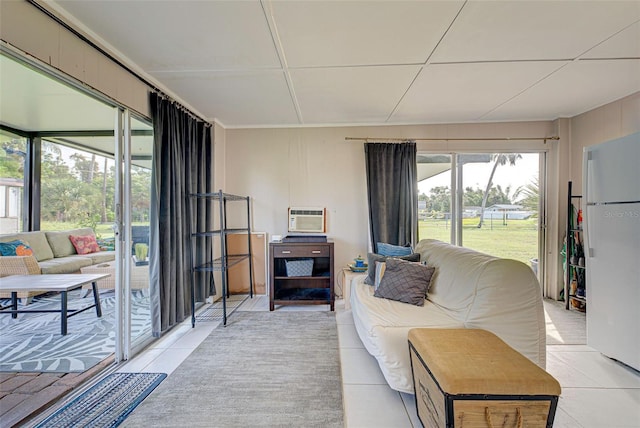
pixel 307 219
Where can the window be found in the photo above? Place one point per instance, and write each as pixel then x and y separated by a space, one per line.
pixel 494 206
pixel 13 153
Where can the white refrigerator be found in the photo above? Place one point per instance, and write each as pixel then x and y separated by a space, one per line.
pixel 611 215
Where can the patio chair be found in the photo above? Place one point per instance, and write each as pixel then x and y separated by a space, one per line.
pixel 19 265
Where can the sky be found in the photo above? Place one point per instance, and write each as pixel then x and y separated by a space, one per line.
pixel 477 174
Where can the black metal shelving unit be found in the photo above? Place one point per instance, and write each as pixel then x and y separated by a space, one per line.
pixel 224 261
pixel 574 270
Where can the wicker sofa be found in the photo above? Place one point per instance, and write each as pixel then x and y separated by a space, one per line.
pixel 53 253
pixel 468 290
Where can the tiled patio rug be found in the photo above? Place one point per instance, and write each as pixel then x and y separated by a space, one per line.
pixel 107 403
pixel 33 343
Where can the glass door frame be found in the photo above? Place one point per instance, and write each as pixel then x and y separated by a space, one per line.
pixel 124 237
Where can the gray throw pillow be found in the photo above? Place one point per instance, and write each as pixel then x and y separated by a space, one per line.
pixel 373 258
pixel 405 282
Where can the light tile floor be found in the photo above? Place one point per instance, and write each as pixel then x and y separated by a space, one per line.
pixel 596 391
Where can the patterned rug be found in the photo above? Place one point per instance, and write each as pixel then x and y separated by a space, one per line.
pixel 107 403
pixel 33 343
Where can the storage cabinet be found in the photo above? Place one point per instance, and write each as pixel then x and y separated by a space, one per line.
pixel 239 274
pixel 301 274
pixel 575 269
pixel 489 384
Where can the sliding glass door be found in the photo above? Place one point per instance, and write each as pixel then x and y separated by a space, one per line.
pixel 69 165
pixel 491 202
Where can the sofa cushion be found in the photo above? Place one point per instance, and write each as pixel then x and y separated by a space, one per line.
pixel 15 248
pixel 61 244
pixel 373 258
pixel 405 281
pixel 101 257
pixel 69 264
pixel 36 240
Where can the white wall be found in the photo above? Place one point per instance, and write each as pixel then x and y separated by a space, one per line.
pixel 611 121
pixel 280 168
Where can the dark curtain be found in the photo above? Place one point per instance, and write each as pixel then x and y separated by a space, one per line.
pixel 182 164
pixel 392 190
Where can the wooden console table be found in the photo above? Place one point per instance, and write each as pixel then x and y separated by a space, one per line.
pixel 313 289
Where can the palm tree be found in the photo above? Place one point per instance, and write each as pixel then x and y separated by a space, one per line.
pixel 498 159
pixel 530 195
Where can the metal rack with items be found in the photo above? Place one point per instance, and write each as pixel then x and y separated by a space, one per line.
pixel 575 269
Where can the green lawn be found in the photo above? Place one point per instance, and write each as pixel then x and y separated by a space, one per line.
pixel 518 239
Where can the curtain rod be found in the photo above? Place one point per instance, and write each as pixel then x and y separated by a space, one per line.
pixel 400 140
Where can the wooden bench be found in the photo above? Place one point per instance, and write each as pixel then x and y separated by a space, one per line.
pixel 471 378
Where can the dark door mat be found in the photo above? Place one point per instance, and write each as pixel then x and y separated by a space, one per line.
pixel 107 403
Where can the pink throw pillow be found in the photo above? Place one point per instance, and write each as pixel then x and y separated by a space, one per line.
pixel 84 244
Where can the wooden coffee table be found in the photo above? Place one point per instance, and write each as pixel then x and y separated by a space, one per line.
pixel 61 283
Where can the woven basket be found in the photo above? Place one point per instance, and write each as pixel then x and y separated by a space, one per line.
pixel 299 267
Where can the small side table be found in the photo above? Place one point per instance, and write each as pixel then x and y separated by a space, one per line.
pixel 349 276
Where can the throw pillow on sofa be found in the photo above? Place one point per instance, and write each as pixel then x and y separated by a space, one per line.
pixel 373 258
pixel 405 282
pixel 15 248
pixel 84 244
pixel 388 250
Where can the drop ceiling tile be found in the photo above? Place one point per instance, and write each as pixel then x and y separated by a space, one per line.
pixel 579 87
pixel 534 30
pixel 625 44
pixel 182 35
pixel 465 92
pixel 334 33
pixel 350 94
pixel 238 98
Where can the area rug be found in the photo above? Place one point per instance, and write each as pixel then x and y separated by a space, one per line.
pixel 262 369
pixel 33 343
pixel 107 403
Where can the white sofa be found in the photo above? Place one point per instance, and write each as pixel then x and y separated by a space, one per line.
pixel 468 290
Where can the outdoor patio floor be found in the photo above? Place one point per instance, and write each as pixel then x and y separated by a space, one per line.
pixel 23 395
